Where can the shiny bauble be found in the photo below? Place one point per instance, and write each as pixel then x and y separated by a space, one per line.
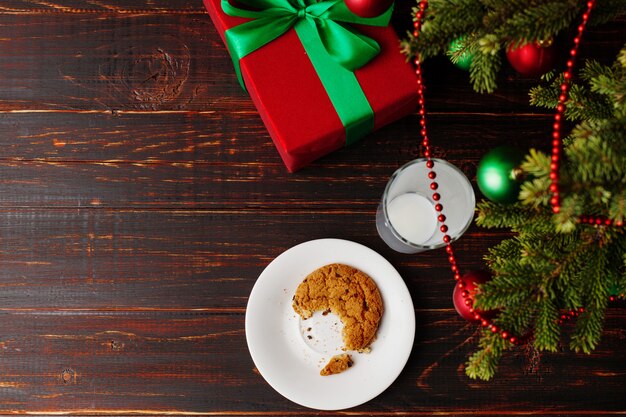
pixel 465 60
pixel 499 176
pixel 532 59
pixel 471 281
pixel 614 290
pixel 368 8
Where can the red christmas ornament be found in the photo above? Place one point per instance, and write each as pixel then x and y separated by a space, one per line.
pixel 463 295
pixel 368 8
pixel 532 59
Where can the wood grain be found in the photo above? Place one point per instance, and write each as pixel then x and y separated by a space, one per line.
pixel 186 161
pixel 223 138
pixel 124 259
pixel 124 362
pixel 173 62
pixel 22 7
pixel 141 197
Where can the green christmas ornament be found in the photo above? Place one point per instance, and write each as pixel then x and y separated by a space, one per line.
pixel 614 290
pixel 499 176
pixel 465 60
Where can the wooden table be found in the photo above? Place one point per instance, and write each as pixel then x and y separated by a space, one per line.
pixel 141 197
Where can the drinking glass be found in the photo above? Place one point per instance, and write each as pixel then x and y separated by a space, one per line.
pixel 406 218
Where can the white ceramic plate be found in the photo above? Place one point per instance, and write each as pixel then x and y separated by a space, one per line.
pixel 290 352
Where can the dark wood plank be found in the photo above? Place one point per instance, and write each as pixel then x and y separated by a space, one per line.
pixel 168 61
pixel 112 259
pixel 140 197
pixel 209 161
pixel 125 362
pixel 239 138
pixel 89 6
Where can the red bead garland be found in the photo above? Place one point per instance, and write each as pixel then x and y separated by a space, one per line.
pixel 441 218
pixel 555 201
pixel 557 141
pixel 571 314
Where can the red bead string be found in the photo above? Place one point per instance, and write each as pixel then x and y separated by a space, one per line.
pixel 430 164
pixel 555 201
pixel 557 140
pixel 599 221
pixel 571 314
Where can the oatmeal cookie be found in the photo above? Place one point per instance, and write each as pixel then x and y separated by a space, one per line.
pixel 350 294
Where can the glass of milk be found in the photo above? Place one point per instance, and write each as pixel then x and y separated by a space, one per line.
pixel 406 218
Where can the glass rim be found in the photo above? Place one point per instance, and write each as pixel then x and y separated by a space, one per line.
pixel 391 180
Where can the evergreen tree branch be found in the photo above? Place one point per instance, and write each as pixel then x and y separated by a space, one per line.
pixel 582 104
pixel 493 215
pixel 617 209
pixel 552 262
pixel 539 22
pixel 484 363
pixel 495 25
pixel 588 328
pixel 483 71
pixel 547 330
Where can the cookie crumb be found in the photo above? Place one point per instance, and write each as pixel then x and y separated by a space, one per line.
pixel 337 365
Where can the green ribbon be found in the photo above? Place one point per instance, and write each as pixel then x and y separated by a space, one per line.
pixel 335 49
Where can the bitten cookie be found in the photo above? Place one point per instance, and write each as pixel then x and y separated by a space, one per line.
pixel 350 294
pixel 337 365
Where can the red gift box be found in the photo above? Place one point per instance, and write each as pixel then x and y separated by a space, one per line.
pixel 295 106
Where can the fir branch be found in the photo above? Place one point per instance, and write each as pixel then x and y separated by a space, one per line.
pixel 536 192
pixel 539 22
pixel 508 5
pixel 463 46
pixel 611 130
pixel 582 104
pixel 588 331
pixel 454 17
pixel 552 262
pixel 536 163
pixel 547 330
pixel 616 255
pixel 484 363
pixel 506 291
pixel 598 152
pixel 593 69
pixel 517 318
pixel 498 255
pixel 548 247
pixel 494 215
pixel 620 285
pixel 446 21
pixel 588 328
pixel 571 209
pixel 499 24
pixel 617 208
pixel 500 11
pixel 489 44
pixel 566 281
pixel 484 70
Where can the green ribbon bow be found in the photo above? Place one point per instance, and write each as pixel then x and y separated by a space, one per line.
pixel 335 49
